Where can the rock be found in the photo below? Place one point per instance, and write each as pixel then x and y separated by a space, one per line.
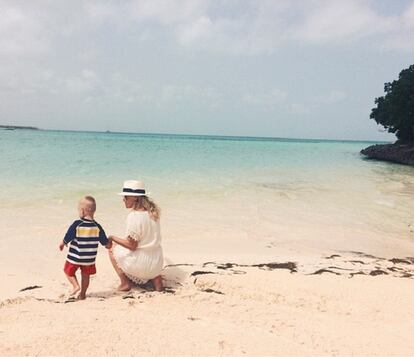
pixel 399 153
pixel 320 271
pixel 199 272
pixel 30 287
pixel 213 291
pixel 378 272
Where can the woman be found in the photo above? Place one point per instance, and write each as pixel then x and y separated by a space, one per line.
pixel 138 257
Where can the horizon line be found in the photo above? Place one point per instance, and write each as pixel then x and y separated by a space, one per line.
pixel 222 136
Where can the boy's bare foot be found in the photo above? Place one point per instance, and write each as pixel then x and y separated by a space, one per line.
pixel 74 291
pixel 81 297
pixel 124 287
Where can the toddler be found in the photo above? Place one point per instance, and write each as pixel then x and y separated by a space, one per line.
pixel 83 237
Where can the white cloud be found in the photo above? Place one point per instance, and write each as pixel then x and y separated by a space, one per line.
pixel 264 27
pixel 337 20
pixel 99 12
pixel 185 94
pixel 20 32
pixel 266 100
pixel 333 97
pixel 199 30
pixel 279 100
pixel 298 109
pixel 167 12
pixel 255 28
pixel 408 16
pixel 401 42
pixel 86 82
pixel 401 39
pixel 236 27
pixel 322 101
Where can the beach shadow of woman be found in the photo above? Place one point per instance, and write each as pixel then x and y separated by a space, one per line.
pixel 173 278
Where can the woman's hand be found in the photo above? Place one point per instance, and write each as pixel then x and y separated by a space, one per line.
pixel 109 245
pixel 133 244
pixel 128 243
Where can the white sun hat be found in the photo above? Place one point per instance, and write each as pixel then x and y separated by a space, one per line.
pixel 133 188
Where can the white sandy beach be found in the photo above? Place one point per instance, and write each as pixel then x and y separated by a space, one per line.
pixel 216 303
pixel 256 313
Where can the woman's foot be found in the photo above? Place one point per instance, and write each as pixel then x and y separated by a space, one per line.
pixel 157 281
pixel 124 287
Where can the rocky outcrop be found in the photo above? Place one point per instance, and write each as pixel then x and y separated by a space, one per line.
pixel 399 153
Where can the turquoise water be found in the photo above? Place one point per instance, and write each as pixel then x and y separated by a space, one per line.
pixel 45 162
pixel 308 191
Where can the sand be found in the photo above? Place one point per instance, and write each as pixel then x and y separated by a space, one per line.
pixel 228 294
pixel 340 304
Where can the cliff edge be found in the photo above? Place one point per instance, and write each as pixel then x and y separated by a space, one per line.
pixel 399 153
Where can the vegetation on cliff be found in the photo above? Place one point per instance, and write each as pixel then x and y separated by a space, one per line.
pixel 395 110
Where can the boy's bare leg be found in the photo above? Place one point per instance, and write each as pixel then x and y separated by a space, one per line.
pixel 157 281
pixel 84 286
pixel 125 285
pixel 75 284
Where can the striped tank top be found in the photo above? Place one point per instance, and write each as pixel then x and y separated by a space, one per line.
pixel 83 238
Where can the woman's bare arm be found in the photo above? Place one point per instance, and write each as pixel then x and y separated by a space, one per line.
pixel 128 242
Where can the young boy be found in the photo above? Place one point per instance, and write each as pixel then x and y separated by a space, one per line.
pixel 83 237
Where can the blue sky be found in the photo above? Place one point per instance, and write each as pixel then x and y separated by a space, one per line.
pixel 298 69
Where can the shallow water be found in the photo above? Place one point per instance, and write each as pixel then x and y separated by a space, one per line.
pixel 311 193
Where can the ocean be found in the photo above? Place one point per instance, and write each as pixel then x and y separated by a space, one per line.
pixel 313 194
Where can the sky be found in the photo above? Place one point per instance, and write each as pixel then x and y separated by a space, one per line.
pixel 293 69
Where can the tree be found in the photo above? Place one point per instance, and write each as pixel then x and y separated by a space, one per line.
pixel 395 110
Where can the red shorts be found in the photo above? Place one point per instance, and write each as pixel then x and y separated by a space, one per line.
pixel 70 269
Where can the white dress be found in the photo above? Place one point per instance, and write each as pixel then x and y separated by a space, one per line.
pixel 147 261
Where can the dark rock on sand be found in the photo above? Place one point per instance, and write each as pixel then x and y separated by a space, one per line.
pixel 268 266
pixel 398 153
pixel 271 266
pixel 333 256
pixel 398 260
pixel 213 291
pixel 31 288
pixel 200 272
pixel 357 273
pixel 378 272
pixel 320 271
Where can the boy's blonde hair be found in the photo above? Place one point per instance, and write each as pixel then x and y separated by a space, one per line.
pixel 88 203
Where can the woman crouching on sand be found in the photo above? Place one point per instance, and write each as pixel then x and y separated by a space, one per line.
pixel 138 257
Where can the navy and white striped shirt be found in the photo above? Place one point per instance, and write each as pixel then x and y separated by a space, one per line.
pixel 83 237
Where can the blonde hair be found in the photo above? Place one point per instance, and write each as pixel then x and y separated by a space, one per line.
pixel 146 203
pixel 88 203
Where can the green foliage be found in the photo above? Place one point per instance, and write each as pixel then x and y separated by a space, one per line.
pixel 395 110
